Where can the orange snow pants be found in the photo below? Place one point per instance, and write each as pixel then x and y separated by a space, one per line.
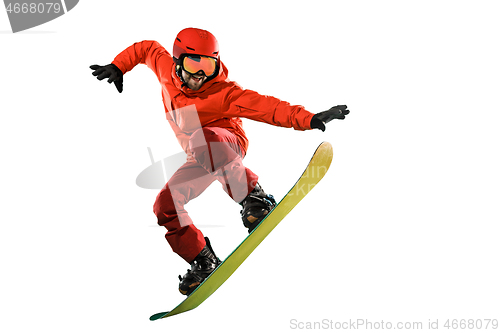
pixel 217 156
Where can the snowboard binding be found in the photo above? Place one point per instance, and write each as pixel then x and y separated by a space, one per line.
pixel 201 267
pixel 256 206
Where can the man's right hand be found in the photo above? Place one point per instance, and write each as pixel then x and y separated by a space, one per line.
pixel 109 71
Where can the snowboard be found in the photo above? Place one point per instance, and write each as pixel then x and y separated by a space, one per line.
pixel 314 172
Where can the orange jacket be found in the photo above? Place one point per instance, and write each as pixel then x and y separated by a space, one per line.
pixel 218 103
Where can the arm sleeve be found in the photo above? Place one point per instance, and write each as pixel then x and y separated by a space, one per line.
pixel 146 52
pixel 250 104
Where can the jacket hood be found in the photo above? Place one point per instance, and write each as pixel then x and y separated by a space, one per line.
pixel 221 76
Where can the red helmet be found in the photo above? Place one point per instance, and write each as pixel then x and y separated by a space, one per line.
pixel 195 41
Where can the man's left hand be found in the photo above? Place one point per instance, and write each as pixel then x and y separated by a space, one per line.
pixel 320 119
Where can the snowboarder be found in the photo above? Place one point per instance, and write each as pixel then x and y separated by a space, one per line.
pixel 204 109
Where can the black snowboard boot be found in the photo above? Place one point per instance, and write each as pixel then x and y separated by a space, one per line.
pixel 256 206
pixel 201 267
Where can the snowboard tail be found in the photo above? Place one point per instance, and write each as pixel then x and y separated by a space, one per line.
pixel 314 172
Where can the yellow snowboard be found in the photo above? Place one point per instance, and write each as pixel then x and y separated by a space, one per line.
pixel 316 169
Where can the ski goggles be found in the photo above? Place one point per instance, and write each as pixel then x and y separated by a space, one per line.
pixel 194 63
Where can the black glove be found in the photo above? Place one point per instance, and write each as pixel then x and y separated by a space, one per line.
pixel 320 119
pixel 112 72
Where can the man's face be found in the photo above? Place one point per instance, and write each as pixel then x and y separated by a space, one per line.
pixel 194 81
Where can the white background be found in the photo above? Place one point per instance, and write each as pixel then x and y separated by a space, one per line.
pixel 404 227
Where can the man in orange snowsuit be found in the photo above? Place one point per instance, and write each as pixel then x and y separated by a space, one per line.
pixel 204 109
